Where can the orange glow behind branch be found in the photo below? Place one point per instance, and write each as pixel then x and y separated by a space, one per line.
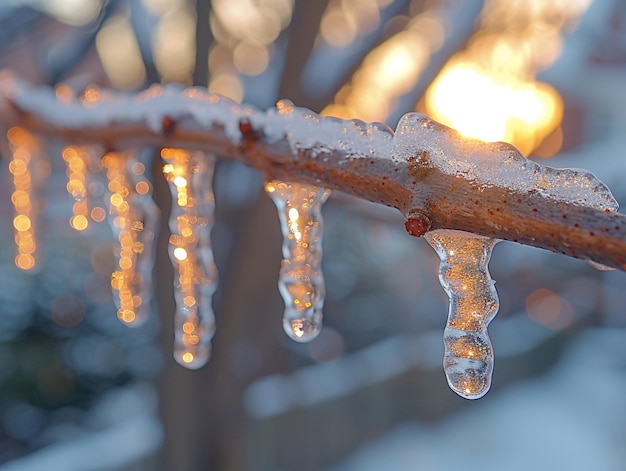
pixel 489 91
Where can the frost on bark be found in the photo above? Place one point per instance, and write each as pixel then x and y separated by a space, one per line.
pixel 439 180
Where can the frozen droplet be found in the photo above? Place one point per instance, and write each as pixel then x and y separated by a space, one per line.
pixel 300 282
pixel 464 275
pixel 190 176
pixel 302 328
pixel 134 219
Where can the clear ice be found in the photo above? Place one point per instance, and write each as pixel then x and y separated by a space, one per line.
pixel 190 176
pixel 77 160
pixel 26 165
pixel 134 218
pixel 464 275
pixel 300 282
pixel 494 164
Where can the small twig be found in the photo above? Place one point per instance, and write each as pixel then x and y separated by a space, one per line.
pixel 297 145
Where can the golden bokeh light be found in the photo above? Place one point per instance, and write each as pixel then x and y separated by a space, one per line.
pixel 549 309
pixel 389 71
pixel 251 59
pixel 494 108
pixel 174 45
pixel 98 214
pixel 346 20
pixel 187 357
pixel 119 53
pixel 244 32
pixel 77 161
pixel 488 91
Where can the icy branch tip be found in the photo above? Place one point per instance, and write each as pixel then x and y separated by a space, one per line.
pixel 427 143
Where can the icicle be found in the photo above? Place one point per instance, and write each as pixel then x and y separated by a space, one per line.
pixel 28 169
pixel 301 283
pixel 77 160
pixel 463 273
pixel 133 217
pixel 191 221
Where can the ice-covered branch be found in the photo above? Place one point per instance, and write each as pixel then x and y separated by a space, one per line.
pixel 435 177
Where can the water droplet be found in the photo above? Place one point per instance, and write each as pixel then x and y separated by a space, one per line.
pixel 300 282
pixel 464 275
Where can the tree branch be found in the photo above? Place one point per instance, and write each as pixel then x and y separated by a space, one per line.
pixel 435 177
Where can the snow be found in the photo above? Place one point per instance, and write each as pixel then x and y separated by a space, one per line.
pixel 561 421
pixel 123 428
pixel 302 128
pixel 278 394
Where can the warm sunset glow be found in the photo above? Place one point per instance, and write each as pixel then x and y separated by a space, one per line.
pixel 493 108
pixel 488 91
pixel 389 71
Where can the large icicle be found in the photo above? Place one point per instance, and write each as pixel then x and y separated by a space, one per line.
pixel 133 217
pixel 464 275
pixel 301 283
pixel 191 220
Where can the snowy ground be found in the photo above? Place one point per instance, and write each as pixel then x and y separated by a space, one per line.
pixel 122 428
pixel 560 421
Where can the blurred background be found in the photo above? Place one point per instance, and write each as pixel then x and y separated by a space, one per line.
pixel 80 391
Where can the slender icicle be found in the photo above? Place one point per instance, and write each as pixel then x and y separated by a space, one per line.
pixel 28 167
pixel 300 283
pixel 464 275
pixel 195 279
pixel 134 218
pixel 77 159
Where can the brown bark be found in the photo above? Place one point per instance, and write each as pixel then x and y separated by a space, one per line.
pixel 443 201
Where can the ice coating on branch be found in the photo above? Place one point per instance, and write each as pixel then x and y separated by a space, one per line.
pixel 494 164
pixel 190 176
pixel 160 107
pixel 305 129
pixel 300 282
pixel 134 218
pixel 464 275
